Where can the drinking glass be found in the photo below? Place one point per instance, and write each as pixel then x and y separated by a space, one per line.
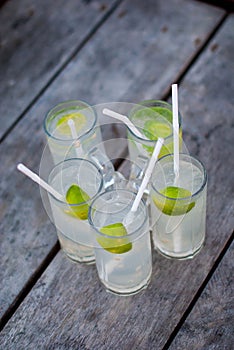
pixel 154 119
pixel 87 145
pixel 178 207
pixel 58 133
pixel 71 220
pixel 123 249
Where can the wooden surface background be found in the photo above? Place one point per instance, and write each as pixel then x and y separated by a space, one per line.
pixel 101 52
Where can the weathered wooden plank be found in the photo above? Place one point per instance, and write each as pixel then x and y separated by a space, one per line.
pixel 37 39
pixel 130 61
pixel 20 146
pixel 210 324
pixel 68 308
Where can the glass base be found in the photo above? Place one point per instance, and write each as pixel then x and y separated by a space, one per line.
pixel 76 252
pixel 178 256
pixel 126 291
pixel 84 260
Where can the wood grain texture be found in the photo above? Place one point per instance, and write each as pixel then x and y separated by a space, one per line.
pixel 37 38
pixel 210 324
pixel 68 308
pixel 96 74
pixel 129 49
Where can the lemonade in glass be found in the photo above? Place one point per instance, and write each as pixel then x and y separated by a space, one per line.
pixel 153 118
pixel 178 210
pixel 79 181
pixel 122 251
pixel 60 140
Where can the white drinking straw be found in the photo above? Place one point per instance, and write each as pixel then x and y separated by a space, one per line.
pixel 21 167
pixel 177 242
pixel 129 217
pixel 125 120
pixel 175 130
pixel 72 127
pixel 148 174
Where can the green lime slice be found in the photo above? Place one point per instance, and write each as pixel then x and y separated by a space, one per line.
pixel 171 206
pixel 164 112
pixel 152 113
pixel 115 245
pixel 78 118
pixel 153 130
pixel 75 195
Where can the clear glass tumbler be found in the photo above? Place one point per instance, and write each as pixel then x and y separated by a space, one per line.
pixel 178 207
pixel 79 181
pixel 59 136
pixel 123 247
pixel 153 118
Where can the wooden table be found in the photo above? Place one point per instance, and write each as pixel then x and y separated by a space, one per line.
pixel 102 51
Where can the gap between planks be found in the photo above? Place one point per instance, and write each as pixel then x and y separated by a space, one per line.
pixel 62 67
pixel 199 292
pixel 167 93
pixel 194 58
pixel 227 5
pixel 29 285
pixel 37 274
pixel 39 271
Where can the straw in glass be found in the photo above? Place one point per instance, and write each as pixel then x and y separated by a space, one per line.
pixel 145 180
pixel 175 130
pixel 72 127
pixel 26 171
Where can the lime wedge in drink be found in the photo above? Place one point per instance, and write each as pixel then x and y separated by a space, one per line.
pixel 177 201
pixel 78 118
pixel 75 195
pixel 157 124
pixel 153 129
pixel 117 245
pixel 164 112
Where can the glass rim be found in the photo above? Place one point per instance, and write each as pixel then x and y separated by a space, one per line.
pixel 145 105
pixel 60 104
pixel 117 237
pixel 204 182
pixel 83 160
